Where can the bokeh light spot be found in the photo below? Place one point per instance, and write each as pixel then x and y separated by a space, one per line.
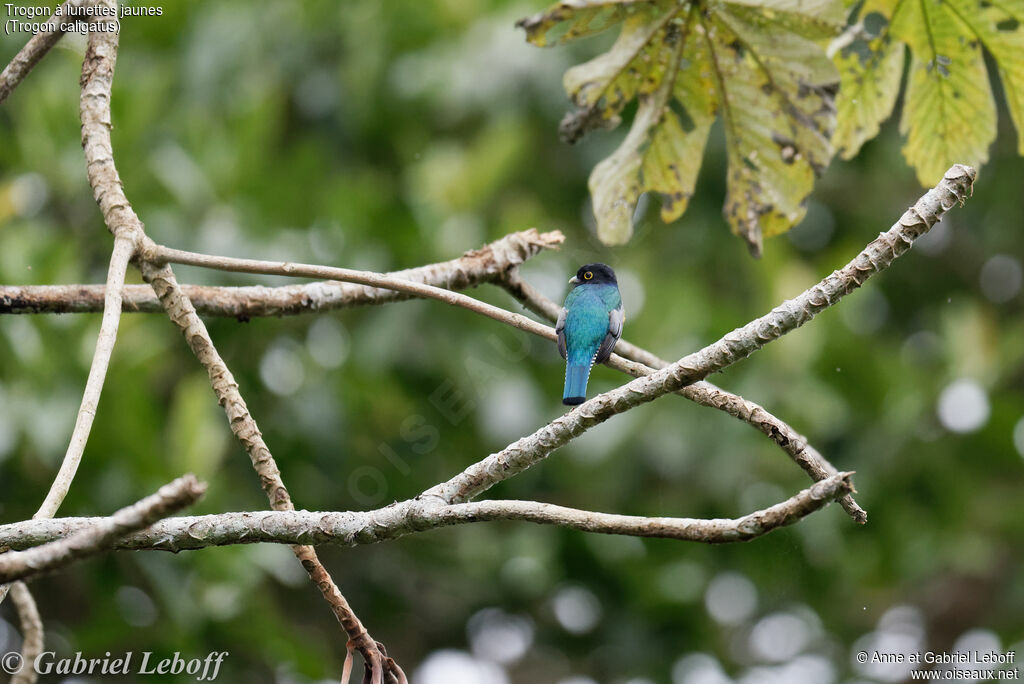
pixel 577 609
pixel 963 406
pixel 1000 278
pixel 731 598
pixel 498 636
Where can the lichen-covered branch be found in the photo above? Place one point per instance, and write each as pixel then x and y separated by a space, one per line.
pixel 242 424
pixel 97 78
pixel 706 394
pixel 494 263
pixel 487 264
pixel 954 188
pixel 35 49
pixel 407 517
pixel 123 249
pixel 159 254
pixel 31 632
pixel 104 533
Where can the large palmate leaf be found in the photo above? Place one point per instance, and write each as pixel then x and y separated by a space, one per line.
pixel 870 81
pixel 949 113
pixel 759 66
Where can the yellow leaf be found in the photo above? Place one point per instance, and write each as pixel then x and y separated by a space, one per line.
pixel 757 65
pixel 1000 27
pixel 949 115
pixel 868 87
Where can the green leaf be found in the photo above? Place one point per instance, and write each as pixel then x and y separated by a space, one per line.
pixel 869 83
pixel 949 114
pixel 574 19
pixel 1000 27
pixel 758 66
pixel 654 155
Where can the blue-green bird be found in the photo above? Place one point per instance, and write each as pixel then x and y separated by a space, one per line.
pixel 588 327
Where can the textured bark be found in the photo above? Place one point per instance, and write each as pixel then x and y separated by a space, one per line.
pixel 407 517
pixel 123 249
pixel 183 315
pixel 104 533
pixel 31 632
pixel 53 543
pixel 705 394
pixel 487 264
pixel 97 78
pixel 35 49
pixel 955 187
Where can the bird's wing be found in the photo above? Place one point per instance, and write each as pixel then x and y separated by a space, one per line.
pixel 615 320
pixel 560 331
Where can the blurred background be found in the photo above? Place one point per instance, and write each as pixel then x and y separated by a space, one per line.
pixel 388 135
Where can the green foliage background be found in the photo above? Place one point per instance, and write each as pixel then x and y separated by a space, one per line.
pixel 387 135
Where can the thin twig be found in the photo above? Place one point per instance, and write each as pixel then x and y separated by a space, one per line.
pixel 121 219
pixel 35 49
pixel 740 343
pixel 353 528
pixel 158 254
pixel 242 424
pixel 31 632
pixel 475 267
pixel 705 394
pixel 346 668
pixel 169 499
pixel 954 188
pixel 123 249
pixel 714 531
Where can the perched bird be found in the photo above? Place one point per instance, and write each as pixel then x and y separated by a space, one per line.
pixel 588 327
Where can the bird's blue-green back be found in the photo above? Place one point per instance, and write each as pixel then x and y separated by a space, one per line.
pixel 586 321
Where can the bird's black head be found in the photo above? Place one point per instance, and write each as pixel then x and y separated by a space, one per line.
pixel 594 273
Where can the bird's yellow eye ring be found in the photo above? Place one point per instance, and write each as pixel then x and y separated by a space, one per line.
pixel 588 275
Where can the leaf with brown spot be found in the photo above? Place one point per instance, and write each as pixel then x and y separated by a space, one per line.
pixel 949 112
pixel 758 66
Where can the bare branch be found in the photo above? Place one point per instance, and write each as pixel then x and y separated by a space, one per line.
pixel 168 499
pixel 706 394
pixel 97 79
pixel 31 633
pixel 715 531
pixel 158 254
pixel 473 268
pixel 35 49
pixel 123 249
pixel 407 517
pixel 955 187
pixel 791 441
pixel 494 262
pixel 487 264
pixel 242 424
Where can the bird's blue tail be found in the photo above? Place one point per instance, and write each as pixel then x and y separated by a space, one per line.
pixel 576 376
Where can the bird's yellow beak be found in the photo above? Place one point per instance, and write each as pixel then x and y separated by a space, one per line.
pixel 574 281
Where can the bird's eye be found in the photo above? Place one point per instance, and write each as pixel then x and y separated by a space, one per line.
pixel 588 275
